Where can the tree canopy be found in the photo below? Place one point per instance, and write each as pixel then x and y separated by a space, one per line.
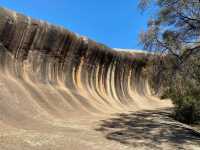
pixel 174 29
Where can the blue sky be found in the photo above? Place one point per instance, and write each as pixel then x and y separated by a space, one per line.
pixel 116 23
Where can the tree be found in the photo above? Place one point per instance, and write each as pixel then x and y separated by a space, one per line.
pixel 174 33
pixel 175 29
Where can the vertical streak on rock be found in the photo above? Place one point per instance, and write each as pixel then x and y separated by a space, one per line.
pixel 50 57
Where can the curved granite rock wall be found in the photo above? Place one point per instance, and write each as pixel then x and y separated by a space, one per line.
pixel 49 71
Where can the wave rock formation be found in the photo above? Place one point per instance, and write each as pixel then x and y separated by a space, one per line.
pixel 48 73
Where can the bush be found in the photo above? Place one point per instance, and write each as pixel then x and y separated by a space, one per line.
pixel 186 98
pixel 184 91
pixel 187 108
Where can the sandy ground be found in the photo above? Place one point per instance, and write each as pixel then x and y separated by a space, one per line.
pixel 152 129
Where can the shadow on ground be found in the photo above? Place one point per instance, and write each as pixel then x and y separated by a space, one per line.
pixel 152 129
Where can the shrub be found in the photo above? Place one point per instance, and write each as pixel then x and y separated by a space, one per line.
pixel 187 104
pixel 184 90
pixel 187 110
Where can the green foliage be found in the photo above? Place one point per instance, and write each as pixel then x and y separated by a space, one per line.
pixel 174 32
pixel 184 91
pixel 174 29
pixel 187 104
pixel 187 109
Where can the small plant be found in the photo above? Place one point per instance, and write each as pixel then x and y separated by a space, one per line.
pixel 184 91
pixel 187 109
